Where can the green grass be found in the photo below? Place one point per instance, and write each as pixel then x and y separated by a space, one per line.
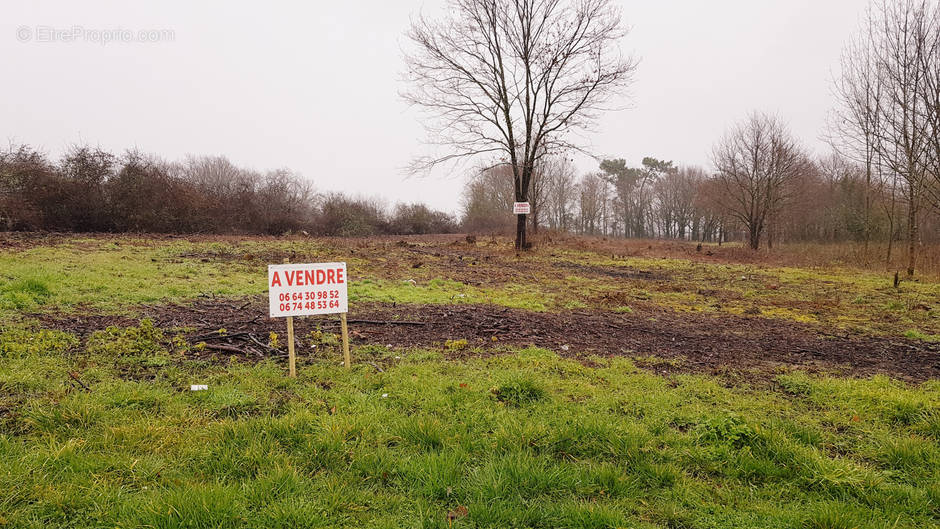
pixel 112 278
pixel 443 291
pixel 521 440
pixel 115 276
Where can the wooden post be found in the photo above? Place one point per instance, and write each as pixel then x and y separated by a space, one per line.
pixel 291 357
pixel 346 356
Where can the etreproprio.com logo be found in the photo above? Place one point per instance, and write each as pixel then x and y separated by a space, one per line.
pixel 51 34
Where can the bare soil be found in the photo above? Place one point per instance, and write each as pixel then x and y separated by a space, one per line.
pixel 662 341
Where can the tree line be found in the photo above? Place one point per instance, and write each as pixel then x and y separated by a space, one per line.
pixel 93 190
pixel 828 199
pixel 881 182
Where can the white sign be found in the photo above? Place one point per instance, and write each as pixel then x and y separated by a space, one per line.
pixel 307 289
pixel 520 208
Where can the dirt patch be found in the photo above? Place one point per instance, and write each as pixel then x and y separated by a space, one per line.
pixel 704 344
pixel 619 273
pixel 83 322
pixel 696 343
pixel 23 240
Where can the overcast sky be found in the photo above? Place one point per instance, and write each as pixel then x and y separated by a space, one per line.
pixel 313 86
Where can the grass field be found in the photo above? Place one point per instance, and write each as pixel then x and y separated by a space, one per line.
pixel 98 427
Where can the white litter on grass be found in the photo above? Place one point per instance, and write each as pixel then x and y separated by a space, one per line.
pixel 198 387
pixel 384 395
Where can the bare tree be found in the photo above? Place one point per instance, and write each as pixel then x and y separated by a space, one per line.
pixel 899 47
pixel 854 125
pixel 487 200
pixel 551 191
pixel 592 197
pixel 24 172
pixel 559 193
pixel 538 189
pixel 675 195
pixel 709 211
pixel 283 198
pixel 930 93
pixel 417 219
pixel 514 78
pixel 756 162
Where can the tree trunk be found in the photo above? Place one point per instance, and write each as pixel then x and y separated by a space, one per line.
pixel 521 233
pixel 753 235
pixel 891 231
pixel 521 182
pixel 911 235
pixel 890 247
pixel 867 231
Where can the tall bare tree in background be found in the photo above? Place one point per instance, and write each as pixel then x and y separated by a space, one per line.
pixel 538 189
pixel 487 200
pixel 899 37
pixel 930 63
pixel 548 179
pixel 675 194
pixel 592 204
pixel 560 191
pixel 757 160
pixel 890 96
pixel 855 123
pixel 513 78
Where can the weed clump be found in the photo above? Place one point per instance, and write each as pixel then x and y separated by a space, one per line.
pixel 327 340
pixel 796 385
pixel 726 429
pixel 24 293
pixel 145 340
pixel 456 345
pixel 17 343
pixel 519 391
pixel 833 517
pixel 905 412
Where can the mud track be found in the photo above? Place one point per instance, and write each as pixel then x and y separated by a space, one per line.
pixel 720 344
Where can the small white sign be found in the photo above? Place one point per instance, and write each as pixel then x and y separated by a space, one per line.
pixel 520 208
pixel 307 289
